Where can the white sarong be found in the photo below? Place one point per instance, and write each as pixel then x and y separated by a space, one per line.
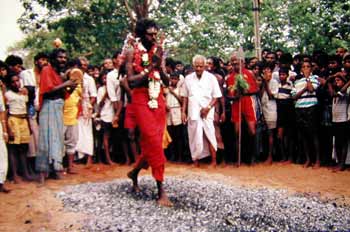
pixel 199 146
pixel 85 145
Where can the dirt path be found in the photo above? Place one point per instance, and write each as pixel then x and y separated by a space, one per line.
pixel 32 208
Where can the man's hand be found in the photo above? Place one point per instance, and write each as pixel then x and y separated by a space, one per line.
pixel 309 86
pixel 123 82
pixel 183 117
pixel 23 91
pixel 11 135
pixel 204 112
pixel 222 117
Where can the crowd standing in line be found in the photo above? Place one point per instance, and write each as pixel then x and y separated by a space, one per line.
pixel 64 111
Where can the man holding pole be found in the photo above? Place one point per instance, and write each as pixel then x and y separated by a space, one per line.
pixel 243 100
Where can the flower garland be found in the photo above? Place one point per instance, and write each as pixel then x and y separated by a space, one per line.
pixel 240 85
pixel 142 59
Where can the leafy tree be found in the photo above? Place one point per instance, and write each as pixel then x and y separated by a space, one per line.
pixel 209 27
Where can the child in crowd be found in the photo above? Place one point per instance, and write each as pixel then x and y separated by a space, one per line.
pixel 18 127
pixel 285 115
pixel 304 92
pixel 106 114
pixel 340 121
pixel 70 117
pixel 269 107
pixel 173 106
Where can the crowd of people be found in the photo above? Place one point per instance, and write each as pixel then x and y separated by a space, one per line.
pixel 143 108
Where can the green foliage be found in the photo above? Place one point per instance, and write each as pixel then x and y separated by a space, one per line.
pixel 209 27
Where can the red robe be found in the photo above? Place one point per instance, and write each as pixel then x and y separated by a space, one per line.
pixel 151 123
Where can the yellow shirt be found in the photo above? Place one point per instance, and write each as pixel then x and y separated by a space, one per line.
pixel 70 108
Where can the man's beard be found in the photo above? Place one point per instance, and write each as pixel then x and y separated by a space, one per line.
pixel 146 43
pixel 59 67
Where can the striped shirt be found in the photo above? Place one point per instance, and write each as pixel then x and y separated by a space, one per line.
pixel 307 99
pixel 284 91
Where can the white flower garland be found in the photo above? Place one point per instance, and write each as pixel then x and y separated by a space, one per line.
pixel 154 82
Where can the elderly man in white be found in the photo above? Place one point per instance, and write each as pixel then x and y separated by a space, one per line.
pixel 200 91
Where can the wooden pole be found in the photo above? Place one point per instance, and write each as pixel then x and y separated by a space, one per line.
pixel 256 11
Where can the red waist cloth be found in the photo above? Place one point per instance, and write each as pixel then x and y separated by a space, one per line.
pixel 151 123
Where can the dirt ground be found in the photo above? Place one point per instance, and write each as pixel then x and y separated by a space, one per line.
pixel 31 208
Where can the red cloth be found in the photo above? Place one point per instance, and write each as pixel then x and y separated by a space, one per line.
pixel 247 102
pixel 151 123
pixel 247 109
pixel 48 80
pixel 157 172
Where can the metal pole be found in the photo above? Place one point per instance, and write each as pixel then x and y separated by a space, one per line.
pixel 256 10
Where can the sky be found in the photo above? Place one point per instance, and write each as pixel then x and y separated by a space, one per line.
pixel 10 11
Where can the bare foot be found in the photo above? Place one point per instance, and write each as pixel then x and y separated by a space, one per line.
pixel 17 180
pixel 287 162
pixel 133 177
pixel 3 189
pixel 213 165
pixel 56 175
pixel 110 162
pixel 339 168
pixel 307 164
pixel 164 201
pixel 72 171
pixel 317 165
pixel 88 162
pixel 196 164
pixel 268 161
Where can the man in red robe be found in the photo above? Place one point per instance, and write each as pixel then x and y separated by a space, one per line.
pixel 141 62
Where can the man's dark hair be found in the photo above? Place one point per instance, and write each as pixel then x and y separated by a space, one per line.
pixel 170 62
pixel 74 63
pixel 347 57
pixel 335 58
pixel 13 60
pixel 3 65
pixel 283 70
pixel 116 53
pixel 40 55
pixel 142 25
pixel 55 53
pixel 270 65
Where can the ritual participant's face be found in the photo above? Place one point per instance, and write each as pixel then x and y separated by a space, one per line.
pixel 61 59
pixel 151 34
pixel 199 67
pixel 235 63
pixel 339 82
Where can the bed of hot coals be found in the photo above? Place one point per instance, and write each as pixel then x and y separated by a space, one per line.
pixel 200 204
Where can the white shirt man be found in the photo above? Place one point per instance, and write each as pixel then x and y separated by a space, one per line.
pixel 85 143
pixel 201 90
